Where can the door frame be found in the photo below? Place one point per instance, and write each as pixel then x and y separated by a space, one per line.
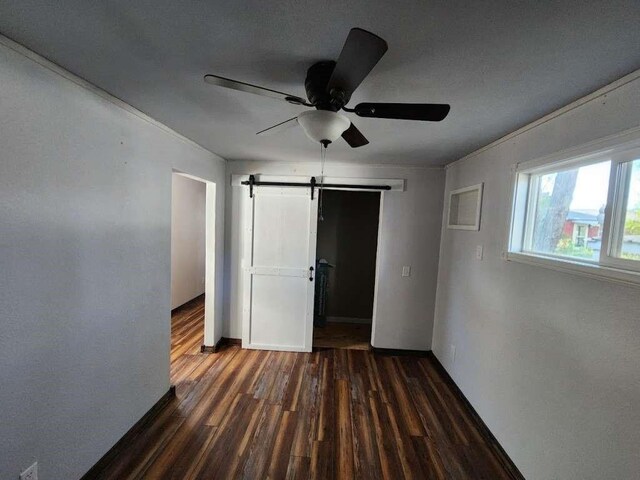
pixel 377 271
pixel 397 185
pixel 210 319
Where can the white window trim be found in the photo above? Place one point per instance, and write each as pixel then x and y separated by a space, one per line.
pixel 584 269
pixel 608 267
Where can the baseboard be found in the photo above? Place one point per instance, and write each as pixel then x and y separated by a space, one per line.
pixel 483 428
pixel 396 352
pixel 127 438
pixel 224 341
pixel 189 304
pixel 363 321
pixel 210 348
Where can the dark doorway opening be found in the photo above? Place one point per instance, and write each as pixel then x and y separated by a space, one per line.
pixel 346 269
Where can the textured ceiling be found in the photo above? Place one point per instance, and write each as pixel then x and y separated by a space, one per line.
pixel 500 64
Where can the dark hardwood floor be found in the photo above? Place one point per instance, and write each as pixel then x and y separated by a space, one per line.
pixel 329 414
pixel 354 336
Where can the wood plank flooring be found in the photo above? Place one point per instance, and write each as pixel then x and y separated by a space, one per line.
pixel 355 336
pixel 329 414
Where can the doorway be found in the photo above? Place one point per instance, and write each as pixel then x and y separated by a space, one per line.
pixel 192 264
pixel 277 262
pixel 347 243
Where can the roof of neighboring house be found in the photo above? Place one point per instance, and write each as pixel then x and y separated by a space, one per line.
pixel 583 217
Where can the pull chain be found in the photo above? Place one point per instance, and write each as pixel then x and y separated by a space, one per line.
pixel 323 157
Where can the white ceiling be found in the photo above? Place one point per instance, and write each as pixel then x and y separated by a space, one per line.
pixel 500 64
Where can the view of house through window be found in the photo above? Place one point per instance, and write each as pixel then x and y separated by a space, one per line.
pixel 568 213
pixel 562 212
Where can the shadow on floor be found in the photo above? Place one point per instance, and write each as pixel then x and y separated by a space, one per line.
pixel 351 336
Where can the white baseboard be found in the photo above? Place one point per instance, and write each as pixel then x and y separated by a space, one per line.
pixel 365 321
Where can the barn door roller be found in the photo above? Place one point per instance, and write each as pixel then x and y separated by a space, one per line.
pixel 312 184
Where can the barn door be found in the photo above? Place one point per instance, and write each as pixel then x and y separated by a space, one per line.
pixel 279 263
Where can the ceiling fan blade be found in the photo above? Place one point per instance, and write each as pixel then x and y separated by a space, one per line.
pixel 354 137
pixel 361 52
pixel 247 87
pixel 432 112
pixel 280 127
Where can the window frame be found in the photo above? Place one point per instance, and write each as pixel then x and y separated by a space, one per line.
pixel 620 149
pixel 532 203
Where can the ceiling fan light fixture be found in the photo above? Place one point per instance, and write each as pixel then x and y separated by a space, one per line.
pixel 322 125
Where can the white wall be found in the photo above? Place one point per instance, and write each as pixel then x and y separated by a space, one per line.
pixel 187 239
pixel 410 235
pixel 85 291
pixel 548 359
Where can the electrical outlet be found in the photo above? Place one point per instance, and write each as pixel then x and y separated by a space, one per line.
pixel 30 473
pixel 479 251
pixel 406 271
pixel 452 353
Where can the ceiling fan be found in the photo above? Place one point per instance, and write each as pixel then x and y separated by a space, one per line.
pixel 329 86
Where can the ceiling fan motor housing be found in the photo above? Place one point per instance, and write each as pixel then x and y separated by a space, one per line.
pixel 315 84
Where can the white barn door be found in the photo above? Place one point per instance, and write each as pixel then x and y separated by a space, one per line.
pixel 279 269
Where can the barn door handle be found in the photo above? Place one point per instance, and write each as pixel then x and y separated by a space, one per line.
pixel 311 274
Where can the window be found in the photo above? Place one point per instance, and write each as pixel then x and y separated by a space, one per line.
pixel 580 236
pixel 626 244
pixel 580 212
pixel 564 203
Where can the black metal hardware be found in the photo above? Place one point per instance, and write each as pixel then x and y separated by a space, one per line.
pixel 312 184
pixel 311 274
pixel 251 183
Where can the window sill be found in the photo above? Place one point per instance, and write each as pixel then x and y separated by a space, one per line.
pixel 576 267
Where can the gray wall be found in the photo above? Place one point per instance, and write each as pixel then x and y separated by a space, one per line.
pixel 85 231
pixel 409 235
pixel 348 238
pixel 548 359
pixel 188 198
